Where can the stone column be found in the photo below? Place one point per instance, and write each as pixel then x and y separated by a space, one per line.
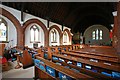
pixel 118 30
pixel 115 30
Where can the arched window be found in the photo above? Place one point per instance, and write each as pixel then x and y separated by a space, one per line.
pixel 101 33
pixel 3 30
pixel 53 36
pixel 97 34
pixel 93 35
pixel 34 31
pixel 65 37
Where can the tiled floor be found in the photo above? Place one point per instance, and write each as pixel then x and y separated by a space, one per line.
pixel 19 73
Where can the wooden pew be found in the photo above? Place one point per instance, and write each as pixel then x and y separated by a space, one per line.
pixel 93 53
pixel 84 71
pixel 112 61
pixel 24 57
pixel 102 50
pixel 87 62
pixel 103 59
pixel 100 67
pixel 97 66
pixel 26 60
pixel 42 74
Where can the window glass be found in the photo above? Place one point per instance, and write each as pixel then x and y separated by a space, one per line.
pixel 65 37
pixel 101 34
pixel 97 33
pixel 34 30
pixel 93 35
pixel 3 32
pixel 53 36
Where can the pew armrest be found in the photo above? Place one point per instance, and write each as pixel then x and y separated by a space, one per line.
pixel 37 55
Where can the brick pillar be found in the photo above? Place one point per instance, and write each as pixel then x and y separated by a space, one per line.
pixel 115 30
pixel 20 38
pixel 70 39
pixel 46 39
pixel 61 39
pixel 118 32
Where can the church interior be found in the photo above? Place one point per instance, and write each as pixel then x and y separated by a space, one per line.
pixel 60 40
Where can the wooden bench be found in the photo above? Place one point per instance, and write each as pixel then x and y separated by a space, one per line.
pixel 53 51
pixel 110 52
pixel 83 61
pixel 24 57
pixel 87 55
pixel 111 61
pixel 84 71
pixel 58 69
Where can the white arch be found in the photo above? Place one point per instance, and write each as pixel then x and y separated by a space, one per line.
pixel 28 36
pixel 11 32
pixel 88 35
pixel 54 43
pixel 65 38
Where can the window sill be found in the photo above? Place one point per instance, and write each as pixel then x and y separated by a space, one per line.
pixel 53 42
pixel 4 41
pixel 34 42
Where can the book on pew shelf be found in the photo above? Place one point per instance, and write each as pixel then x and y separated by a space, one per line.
pixel 37 62
pixel 63 76
pixel 79 64
pixel 58 63
pixel 69 62
pixel 42 66
pixel 107 74
pixel 61 60
pixel 116 75
pixel 88 67
pixel 54 58
pixel 93 60
pixel 51 71
pixel 45 55
pixel 65 54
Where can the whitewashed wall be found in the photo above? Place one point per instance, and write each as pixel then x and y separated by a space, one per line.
pixel 17 14
pixel 27 36
pixel 12 33
pixel 104 41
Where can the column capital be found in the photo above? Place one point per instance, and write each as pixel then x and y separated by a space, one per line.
pixel 114 13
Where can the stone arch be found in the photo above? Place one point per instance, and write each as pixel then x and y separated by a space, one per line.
pixel 31 21
pixel 69 35
pixel 16 23
pixel 105 37
pixel 58 29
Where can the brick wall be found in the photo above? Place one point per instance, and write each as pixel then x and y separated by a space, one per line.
pixel 118 32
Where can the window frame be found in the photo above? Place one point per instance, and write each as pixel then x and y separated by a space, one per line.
pixel 54 37
pixel 94 38
pixel 5 23
pixel 32 27
pixel 65 41
pixel 97 34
